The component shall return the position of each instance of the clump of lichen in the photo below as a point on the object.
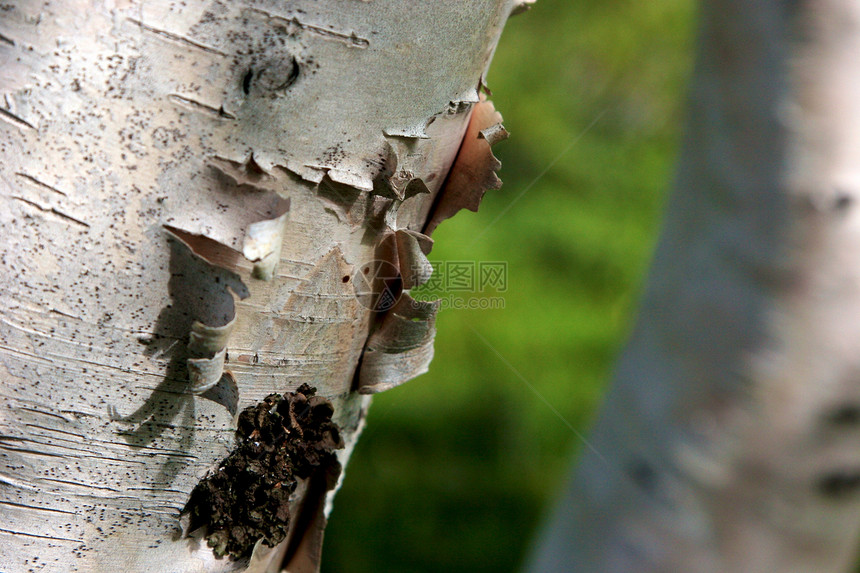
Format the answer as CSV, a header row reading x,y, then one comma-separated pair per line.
x,y
248,497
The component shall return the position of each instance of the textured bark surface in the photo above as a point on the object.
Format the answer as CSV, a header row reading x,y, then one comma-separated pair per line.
x,y
729,441
188,193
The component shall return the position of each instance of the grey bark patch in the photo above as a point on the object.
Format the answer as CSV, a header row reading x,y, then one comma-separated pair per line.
x,y
280,440
839,484
643,474
842,201
846,415
837,202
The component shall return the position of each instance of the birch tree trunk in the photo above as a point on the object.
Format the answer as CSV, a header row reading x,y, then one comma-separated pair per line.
x,y
205,203
729,440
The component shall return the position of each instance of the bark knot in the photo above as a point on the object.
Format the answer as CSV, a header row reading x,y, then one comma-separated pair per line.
x,y
280,440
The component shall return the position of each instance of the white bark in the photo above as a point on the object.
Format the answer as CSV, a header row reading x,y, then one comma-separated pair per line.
x,y
190,188
728,442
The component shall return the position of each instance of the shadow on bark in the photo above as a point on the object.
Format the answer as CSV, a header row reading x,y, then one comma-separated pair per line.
x,y
198,292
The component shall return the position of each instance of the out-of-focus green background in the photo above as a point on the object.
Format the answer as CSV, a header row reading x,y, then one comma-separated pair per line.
x,y
457,468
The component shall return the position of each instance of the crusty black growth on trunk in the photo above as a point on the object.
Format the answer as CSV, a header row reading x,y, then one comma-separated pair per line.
x,y
248,497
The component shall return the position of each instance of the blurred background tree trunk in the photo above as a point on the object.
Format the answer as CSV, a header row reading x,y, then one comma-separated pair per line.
x,y
728,441
202,204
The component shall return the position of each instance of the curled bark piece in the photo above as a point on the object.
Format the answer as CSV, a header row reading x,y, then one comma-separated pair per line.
x,y
210,250
411,165
412,247
474,169
209,339
250,218
208,346
425,243
204,373
207,296
522,6
386,371
401,348
494,133
262,246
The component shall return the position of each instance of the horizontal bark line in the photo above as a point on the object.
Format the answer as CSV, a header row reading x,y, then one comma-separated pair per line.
x,y
179,39
36,535
9,117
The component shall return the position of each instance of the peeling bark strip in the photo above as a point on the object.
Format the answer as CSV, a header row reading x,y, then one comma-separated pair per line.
x,y
412,251
249,497
186,190
208,348
401,348
474,170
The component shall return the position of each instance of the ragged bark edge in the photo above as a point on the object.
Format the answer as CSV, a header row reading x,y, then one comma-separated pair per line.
x,y
401,347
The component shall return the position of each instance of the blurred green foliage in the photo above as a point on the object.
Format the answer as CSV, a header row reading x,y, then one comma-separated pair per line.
x,y
457,468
